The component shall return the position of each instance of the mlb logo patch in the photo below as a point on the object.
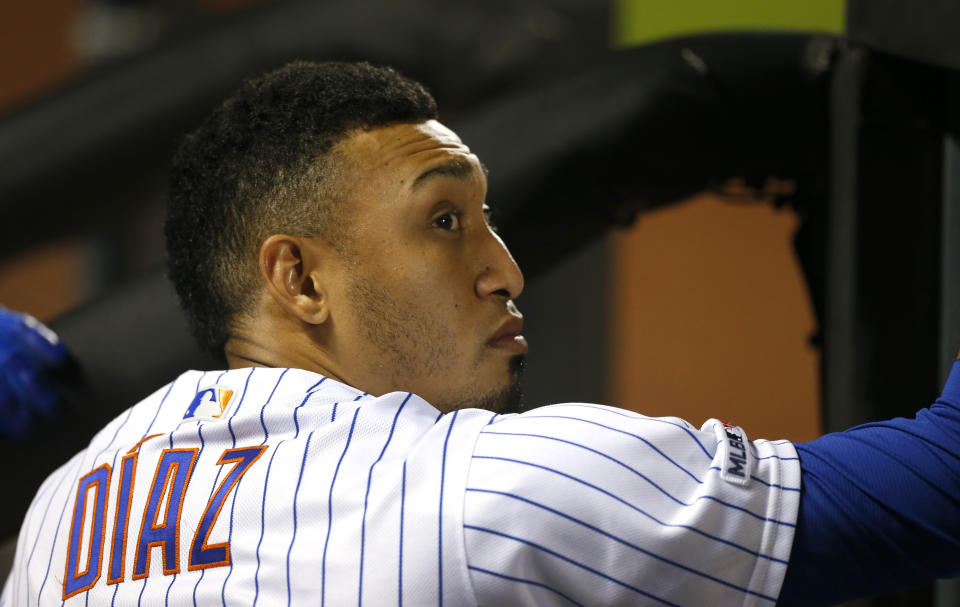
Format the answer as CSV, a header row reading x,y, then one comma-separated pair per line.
x,y
733,451
210,403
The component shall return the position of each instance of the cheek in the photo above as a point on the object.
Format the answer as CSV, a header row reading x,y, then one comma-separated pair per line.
x,y
441,277
431,278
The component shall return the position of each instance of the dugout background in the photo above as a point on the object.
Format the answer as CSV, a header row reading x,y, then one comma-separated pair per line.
x,y
696,305
712,284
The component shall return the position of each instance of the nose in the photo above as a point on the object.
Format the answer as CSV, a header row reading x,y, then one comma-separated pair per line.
x,y
500,275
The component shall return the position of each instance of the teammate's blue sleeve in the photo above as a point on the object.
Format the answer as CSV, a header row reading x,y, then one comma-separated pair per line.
x,y
880,507
29,352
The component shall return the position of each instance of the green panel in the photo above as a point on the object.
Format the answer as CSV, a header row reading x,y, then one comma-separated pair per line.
x,y
642,21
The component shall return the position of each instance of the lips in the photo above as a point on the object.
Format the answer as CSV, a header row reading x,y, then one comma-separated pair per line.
x,y
509,336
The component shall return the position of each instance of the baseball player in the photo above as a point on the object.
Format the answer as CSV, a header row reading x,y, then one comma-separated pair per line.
x,y
330,239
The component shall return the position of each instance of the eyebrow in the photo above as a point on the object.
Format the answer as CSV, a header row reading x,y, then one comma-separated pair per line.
x,y
458,169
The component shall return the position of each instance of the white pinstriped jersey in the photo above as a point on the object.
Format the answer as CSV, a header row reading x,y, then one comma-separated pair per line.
x,y
281,487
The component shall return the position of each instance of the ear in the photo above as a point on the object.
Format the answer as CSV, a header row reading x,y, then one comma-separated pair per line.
x,y
290,267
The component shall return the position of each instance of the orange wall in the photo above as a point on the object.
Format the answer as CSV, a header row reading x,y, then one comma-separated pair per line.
x,y
47,280
711,319
36,54
35,47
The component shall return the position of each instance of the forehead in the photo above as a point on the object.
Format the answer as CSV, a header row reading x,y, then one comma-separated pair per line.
x,y
404,151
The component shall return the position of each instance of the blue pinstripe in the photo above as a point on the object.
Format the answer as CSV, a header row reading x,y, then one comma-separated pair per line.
x,y
166,600
113,466
212,490
42,521
644,418
246,384
363,520
236,490
523,581
41,497
296,422
263,504
124,423
572,562
333,415
115,435
645,477
635,508
621,540
263,423
216,478
270,397
200,435
116,587
150,427
160,406
263,522
142,588
443,471
316,385
403,497
773,485
762,482
619,431
296,492
753,449
113,599
326,542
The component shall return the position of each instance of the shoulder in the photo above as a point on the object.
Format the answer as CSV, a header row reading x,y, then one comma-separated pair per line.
x,y
587,430
578,496
578,454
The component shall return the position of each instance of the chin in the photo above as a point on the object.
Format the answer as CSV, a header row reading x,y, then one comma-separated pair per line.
x,y
507,399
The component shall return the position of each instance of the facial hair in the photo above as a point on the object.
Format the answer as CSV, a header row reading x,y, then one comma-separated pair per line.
x,y
407,343
506,400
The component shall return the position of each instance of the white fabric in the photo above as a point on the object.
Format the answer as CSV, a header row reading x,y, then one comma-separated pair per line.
x,y
591,505
383,501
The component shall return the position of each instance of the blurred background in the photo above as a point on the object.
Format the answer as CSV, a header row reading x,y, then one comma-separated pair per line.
x,y
697,310
739,210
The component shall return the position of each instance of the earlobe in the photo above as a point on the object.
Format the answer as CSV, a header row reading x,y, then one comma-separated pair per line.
x,y
290,269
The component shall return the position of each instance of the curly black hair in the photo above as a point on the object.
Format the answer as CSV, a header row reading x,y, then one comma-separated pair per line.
x,y
263,163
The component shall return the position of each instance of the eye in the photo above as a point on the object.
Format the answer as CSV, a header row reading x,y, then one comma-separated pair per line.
x,y
448,221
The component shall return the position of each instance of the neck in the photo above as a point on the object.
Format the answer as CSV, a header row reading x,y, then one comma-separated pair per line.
x,y
243,352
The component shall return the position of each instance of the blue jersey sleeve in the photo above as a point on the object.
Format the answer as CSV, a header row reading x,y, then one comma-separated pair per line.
x,y
879,507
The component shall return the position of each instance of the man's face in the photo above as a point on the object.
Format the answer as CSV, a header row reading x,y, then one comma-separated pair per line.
x,y
425,298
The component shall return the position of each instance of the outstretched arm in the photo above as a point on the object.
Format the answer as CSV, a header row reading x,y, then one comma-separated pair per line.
x,y
880,507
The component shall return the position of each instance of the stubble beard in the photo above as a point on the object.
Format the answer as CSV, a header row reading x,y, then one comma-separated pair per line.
x,y
506,400
407,340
